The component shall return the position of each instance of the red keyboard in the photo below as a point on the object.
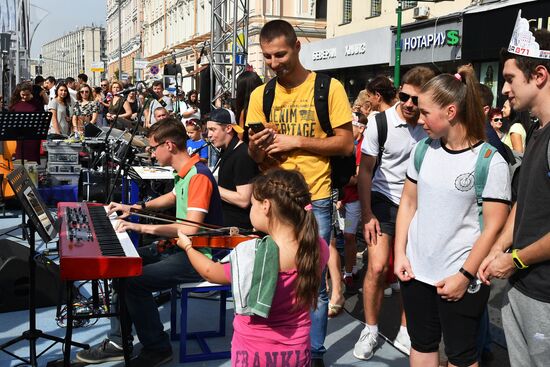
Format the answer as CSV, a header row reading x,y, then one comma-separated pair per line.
x,y
89,246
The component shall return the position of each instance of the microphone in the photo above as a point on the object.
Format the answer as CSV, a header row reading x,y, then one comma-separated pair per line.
x,y
200,148
137,88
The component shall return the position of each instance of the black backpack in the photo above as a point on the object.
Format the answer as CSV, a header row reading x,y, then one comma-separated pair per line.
x,y
342,167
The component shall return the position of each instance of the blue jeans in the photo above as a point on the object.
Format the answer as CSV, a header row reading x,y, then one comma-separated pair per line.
x,y
160,271
322,209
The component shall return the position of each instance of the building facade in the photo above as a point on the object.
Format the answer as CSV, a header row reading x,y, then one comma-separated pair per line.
x,y
75,53
177,31
131,30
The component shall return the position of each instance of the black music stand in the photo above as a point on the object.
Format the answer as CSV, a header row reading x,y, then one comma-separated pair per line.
x,y
41,221
22,126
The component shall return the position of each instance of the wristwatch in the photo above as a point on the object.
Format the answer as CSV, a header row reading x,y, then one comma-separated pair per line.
x,y
517,261
142,204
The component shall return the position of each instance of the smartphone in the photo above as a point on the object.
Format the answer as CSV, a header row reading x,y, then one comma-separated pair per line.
x,y
256,126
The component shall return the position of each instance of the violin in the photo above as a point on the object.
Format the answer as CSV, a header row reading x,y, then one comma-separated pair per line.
x,y
223,242
211,236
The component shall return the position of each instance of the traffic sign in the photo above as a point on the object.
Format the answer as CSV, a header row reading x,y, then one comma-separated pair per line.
x,y
98,66
140,64
154,70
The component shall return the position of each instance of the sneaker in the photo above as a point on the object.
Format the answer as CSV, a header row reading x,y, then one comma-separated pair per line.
x,y
152,358
388,292
106,351
403,342
364,348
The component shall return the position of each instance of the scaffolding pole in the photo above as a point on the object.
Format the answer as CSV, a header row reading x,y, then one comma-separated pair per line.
x,y
228,45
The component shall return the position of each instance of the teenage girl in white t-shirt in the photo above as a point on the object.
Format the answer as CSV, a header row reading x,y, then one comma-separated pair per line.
x,y
439,241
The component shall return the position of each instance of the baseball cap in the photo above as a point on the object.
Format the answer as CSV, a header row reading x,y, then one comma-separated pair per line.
x,y
225,116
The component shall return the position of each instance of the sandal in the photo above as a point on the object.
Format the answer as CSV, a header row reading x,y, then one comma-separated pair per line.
x,y
334,310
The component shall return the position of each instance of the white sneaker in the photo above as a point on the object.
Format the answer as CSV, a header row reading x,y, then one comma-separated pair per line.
x,y
388,292
403,342
364,348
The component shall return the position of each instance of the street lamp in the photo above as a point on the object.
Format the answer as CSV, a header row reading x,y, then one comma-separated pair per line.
x,y
397,67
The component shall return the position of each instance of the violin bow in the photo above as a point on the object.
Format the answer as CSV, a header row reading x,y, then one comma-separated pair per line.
x,y
209,229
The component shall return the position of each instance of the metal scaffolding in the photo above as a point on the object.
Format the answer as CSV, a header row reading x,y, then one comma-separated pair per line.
x,y
228,45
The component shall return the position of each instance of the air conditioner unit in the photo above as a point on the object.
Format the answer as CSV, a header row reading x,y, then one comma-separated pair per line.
x,y
421,12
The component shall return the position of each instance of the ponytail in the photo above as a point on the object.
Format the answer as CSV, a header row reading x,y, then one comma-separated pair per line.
x,y
460,89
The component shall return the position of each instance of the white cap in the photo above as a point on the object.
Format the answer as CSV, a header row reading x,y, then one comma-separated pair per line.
x,y
523,42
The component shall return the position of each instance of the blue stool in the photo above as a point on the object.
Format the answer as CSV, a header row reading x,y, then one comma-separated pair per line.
x,y
199,336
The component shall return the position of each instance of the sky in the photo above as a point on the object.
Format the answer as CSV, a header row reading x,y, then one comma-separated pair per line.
x,y
63,16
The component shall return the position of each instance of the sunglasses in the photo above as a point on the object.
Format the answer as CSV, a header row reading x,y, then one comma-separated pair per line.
x,y
497,119
192,122
104,85
404,97
85,91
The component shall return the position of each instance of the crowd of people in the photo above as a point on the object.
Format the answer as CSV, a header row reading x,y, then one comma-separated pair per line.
x,y
432,193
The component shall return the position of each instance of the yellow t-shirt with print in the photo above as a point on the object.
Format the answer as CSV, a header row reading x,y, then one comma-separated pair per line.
x,y
293,112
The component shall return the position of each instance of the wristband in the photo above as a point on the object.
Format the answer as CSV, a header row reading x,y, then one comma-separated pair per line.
x,y
142,204
467,274
517,261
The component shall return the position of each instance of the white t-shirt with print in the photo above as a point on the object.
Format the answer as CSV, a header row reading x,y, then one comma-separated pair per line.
x,y
389,178
446,223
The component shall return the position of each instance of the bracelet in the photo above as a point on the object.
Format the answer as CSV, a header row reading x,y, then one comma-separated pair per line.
x,y
517,261
467,274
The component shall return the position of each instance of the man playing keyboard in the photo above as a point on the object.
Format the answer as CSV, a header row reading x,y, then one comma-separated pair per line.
x,y
196,197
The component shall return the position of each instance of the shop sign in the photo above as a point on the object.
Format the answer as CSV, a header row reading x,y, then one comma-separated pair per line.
x,y
326,54
370,47
356,49
431,43
450,37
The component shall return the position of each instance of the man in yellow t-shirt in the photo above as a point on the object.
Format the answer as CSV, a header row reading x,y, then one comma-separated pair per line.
x,y
299,138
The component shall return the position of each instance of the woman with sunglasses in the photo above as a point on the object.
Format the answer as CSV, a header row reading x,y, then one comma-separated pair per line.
x,y
60,107
442,235
85,109
495,118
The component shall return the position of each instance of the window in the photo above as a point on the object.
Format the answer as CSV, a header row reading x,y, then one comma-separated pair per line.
x,y
409,4
346,18
375,8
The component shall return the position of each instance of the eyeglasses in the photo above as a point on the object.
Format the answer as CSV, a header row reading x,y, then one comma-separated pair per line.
x,y
404,97
153,148
497,119
85,91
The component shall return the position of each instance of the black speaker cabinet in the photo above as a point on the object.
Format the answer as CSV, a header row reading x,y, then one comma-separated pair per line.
x,y
14,279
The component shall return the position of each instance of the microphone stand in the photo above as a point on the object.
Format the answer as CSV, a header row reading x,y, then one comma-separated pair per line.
x,y
123,161
107,156
106,171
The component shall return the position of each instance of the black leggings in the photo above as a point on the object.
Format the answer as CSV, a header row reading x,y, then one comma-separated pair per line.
x,y
428,316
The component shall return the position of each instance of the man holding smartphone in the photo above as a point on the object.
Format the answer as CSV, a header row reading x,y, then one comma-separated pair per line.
x,y
300,142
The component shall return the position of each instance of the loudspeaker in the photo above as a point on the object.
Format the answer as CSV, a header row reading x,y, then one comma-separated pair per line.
x,y
172,69
14,279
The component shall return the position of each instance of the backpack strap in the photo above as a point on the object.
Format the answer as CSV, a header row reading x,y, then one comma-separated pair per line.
x,y
269,96
481,173
382,128
548,158
320,99
420,152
